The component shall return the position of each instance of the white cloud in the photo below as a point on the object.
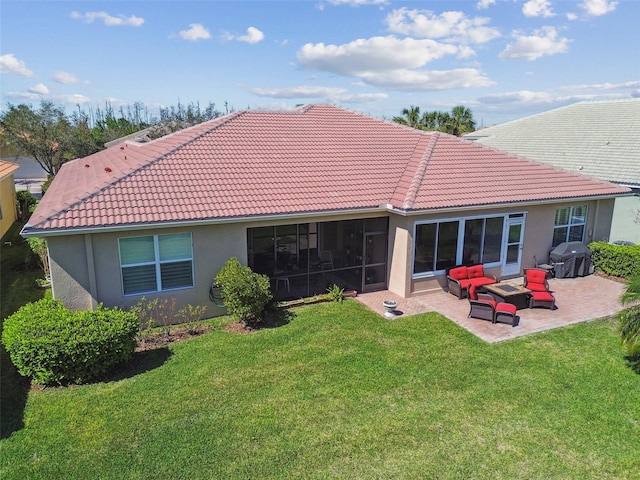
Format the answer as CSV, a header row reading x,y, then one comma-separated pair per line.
x,y
66,78
352,3
389,62
596,8
332,94
537,8
425,81
376,54
40,89
109,20
195,32
572,16
521,97
543,42
605,86
449,26
253,36
483,4
10,64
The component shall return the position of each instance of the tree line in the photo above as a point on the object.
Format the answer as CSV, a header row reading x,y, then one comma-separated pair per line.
x,y
52,136
458,122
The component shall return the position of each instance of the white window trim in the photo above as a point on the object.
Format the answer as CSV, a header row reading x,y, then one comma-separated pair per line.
x,y
460,244
157,262
569,224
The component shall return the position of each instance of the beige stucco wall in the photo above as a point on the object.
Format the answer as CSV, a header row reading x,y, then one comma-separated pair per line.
x,y
80,281
626,220
8,203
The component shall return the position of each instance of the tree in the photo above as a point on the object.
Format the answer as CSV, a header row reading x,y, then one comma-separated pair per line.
x,y
411,117
45,134
460,121
629,318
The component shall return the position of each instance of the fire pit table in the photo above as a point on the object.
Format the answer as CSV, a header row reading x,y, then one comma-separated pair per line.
x,y
508,292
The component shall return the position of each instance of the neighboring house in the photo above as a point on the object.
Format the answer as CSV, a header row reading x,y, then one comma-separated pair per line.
x,y
309,197
7,196
596,138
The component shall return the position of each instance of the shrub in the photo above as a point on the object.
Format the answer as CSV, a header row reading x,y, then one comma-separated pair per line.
x,y
39,247
26,202
246,294
617,260
54,345
336,293
191,317
159,312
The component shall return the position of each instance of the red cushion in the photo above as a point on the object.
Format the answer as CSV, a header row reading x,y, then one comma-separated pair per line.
x,y
475,271
536,276
506,308
464,283
459,273
537,287
542,296
473,295
479,281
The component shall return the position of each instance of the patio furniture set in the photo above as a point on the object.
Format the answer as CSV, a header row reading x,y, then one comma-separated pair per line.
x,y
498,301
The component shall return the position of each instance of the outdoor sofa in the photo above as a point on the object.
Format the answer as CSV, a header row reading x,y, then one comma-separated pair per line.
x,y
461,277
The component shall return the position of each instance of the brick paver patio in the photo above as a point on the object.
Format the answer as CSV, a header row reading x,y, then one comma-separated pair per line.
x,y
580,299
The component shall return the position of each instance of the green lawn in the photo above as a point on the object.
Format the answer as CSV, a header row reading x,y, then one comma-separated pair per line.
x,y
340,392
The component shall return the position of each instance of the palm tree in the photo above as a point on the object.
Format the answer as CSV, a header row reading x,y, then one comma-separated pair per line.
x,y
460,121
629,318
411,117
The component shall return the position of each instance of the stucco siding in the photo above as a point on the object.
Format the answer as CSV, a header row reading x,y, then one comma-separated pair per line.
x,y
7,203
69,271
626,219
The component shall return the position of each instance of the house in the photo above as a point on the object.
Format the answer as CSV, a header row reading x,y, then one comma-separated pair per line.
x,y
310,197
596,138
8,213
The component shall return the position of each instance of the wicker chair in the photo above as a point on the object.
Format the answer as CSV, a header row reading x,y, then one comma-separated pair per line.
x,y
482,305
535,279
485,307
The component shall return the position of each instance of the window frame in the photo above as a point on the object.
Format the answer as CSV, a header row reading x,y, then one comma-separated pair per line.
x,y
569,224
157,263
460,240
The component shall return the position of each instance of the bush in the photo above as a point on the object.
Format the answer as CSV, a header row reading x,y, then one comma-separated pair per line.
x,y
26,203
617,260
54,345
246,294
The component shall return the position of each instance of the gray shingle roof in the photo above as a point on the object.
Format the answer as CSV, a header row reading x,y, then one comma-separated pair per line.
x,y
596,138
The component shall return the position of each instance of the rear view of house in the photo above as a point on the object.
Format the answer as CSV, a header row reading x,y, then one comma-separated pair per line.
x,y
310,197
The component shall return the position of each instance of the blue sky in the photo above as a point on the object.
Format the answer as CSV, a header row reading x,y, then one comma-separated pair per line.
x,y
504,59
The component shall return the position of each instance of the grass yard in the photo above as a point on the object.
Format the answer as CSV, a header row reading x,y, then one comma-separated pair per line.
x,y
340,392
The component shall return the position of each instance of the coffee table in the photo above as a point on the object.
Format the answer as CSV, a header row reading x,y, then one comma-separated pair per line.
x,y
508,292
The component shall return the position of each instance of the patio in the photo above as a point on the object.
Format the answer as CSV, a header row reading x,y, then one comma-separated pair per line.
x,y
578,300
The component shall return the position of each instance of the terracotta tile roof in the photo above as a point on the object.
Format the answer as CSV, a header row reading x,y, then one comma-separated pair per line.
x,y
318,158
7,168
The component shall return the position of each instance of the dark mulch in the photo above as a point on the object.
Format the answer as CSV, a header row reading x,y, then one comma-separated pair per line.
x,y
176,334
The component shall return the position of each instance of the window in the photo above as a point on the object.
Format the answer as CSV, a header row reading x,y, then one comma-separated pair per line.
x,y
441,245
156,262
569,224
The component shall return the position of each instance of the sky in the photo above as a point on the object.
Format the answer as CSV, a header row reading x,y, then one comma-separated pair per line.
x,y
503,59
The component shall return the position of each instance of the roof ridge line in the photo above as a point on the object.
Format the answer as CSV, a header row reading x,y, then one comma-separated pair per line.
x,y
418,176
231,116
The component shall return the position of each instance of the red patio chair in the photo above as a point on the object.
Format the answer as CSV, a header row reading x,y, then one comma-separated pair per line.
x,y
535,279
485,307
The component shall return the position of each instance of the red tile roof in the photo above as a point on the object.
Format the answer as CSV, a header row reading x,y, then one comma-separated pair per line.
x,y
7,168
317,158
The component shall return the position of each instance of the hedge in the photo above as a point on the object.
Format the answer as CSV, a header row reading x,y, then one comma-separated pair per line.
x,y
54,345
617,260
